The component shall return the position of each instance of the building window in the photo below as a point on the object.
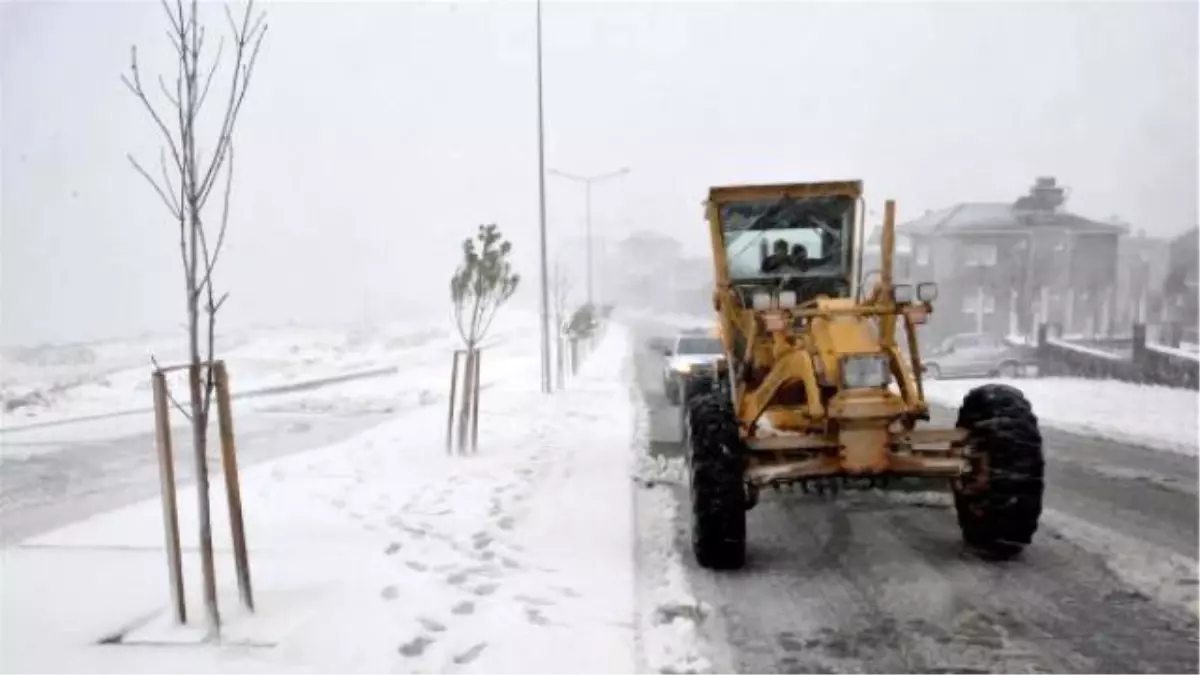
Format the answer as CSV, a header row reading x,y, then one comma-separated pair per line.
x,y
922,255
980,255
972,301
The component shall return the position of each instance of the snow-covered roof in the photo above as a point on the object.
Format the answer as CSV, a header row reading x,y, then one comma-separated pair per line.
x,y
993,216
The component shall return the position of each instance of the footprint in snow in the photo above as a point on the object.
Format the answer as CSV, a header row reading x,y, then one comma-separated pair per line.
x,y
415,647
389,593
392,548
432,625
464,607
481,540
485,589
506,523
535,617
338,504
416,566
471,654
530,600
569,592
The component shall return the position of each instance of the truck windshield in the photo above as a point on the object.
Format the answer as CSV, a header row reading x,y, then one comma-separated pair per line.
x,y
788,238
699,345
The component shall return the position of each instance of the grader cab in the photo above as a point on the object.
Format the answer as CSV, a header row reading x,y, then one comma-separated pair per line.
x,y
816,388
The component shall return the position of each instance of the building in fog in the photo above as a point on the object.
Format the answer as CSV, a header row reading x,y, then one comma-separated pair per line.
x,y
649,271
1002,268
1181,290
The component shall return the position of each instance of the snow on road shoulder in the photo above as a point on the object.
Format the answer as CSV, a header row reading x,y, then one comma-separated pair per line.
x,y
381,553
1163,418
672,623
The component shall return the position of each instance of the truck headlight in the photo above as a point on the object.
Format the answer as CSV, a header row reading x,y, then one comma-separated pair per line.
x,y
760,301
859,372
682,367
902,294
927,292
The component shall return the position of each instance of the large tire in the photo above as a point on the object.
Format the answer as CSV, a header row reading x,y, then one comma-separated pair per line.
x,y
1000,501
717,465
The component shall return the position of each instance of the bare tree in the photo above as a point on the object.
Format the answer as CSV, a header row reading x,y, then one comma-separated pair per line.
x,y
483,282
187,181
561,289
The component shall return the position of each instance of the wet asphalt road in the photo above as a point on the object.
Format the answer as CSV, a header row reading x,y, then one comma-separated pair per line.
x,y
867,582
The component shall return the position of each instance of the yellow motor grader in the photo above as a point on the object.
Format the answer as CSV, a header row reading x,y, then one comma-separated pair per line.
x,y
815,387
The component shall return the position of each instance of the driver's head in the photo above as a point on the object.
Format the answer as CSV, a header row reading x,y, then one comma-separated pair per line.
x,y
780,247
799,252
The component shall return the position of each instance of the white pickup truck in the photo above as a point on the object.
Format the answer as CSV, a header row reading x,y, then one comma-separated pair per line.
x,y
691,353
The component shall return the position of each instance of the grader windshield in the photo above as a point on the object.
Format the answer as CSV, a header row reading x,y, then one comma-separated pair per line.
x,y
776,240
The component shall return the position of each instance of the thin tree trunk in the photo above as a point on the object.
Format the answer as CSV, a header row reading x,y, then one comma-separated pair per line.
x,y
200,447
464,411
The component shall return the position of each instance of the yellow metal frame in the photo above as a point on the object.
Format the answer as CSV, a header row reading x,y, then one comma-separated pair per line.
x,y
853,431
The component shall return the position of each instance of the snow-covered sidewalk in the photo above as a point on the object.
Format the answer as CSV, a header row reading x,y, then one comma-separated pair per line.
x,y
1162,418
380,554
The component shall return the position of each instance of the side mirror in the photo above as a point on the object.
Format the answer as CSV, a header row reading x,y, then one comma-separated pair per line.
x,y
667,351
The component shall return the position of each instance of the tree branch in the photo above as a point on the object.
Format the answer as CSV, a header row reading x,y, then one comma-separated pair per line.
x,y
135,86
154,184
210,261
243,68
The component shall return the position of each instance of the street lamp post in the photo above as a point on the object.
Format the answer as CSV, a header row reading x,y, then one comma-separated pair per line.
x,y
546,388
587,196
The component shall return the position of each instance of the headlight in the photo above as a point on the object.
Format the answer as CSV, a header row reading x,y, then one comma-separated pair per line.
x,y
787,299
761,301
927,292
902,294
682,367
860,372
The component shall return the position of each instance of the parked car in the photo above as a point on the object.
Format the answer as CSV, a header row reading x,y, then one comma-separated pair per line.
x,y
690,354
979,355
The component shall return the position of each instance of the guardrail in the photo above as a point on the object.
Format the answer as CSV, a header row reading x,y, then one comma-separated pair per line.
x,y
1131,360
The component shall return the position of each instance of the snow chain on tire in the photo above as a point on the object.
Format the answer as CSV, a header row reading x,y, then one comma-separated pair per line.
x,y
717,466
1000,501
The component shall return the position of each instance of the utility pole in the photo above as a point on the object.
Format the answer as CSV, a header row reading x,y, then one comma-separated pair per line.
x,y
546,386
587,196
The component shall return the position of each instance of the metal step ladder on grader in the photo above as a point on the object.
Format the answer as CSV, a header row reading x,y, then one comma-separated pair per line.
x,y
816,389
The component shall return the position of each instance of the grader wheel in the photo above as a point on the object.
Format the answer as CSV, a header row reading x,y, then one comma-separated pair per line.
x,y
1000,501
716,462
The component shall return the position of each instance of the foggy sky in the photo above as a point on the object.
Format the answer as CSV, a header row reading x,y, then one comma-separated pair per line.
x,y
377,135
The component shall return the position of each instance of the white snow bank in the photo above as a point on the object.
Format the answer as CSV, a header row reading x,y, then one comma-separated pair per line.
x,y
670,618
379,554
118,379
1163,418
1083,349
671,621
1174,351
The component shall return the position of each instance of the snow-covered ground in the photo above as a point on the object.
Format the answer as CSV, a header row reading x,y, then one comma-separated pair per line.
x,y
116,377
1163,418
383,553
